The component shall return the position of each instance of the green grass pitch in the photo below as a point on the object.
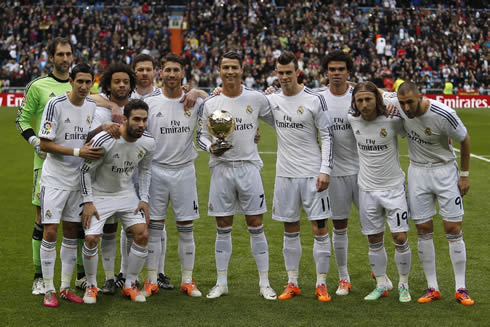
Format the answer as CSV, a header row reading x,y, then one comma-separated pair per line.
x,y
243,306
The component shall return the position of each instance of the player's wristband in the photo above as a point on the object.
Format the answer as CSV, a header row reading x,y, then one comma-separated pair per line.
x,y
464,173
76,152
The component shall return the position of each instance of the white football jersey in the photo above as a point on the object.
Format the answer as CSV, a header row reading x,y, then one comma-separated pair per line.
x,y
67,125
112,174
136,95
346,160
377,145
429,136
173,129
298,120
246,108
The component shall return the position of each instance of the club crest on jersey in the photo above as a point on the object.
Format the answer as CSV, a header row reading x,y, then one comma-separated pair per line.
x,y
89,120
200,122
48,213
300,110
187,113
141,154
428,132
67,120
383,132
249,109
47,126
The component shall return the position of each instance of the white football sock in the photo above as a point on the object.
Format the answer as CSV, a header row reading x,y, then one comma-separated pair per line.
x,y
187,251
90,261
123,248
136,259
108,253
223,249
427,256
340,242
48,258
161,262
291,252
403,261
321,254
155,230
378,261
260,251
457,252
68,256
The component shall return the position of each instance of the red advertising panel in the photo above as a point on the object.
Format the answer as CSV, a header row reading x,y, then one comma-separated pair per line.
x,y
462,101
11,99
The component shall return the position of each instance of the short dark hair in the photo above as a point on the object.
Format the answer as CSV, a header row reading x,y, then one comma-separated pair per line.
x,y
172,57
134,104
142,57
231,55
288,57
338,55
54,43
368,87
105,81
407,87
81,68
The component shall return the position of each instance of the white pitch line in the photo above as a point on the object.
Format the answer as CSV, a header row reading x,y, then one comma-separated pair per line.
x,y
475,156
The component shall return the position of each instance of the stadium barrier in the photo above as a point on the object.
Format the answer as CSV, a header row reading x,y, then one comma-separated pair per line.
x,y
453,101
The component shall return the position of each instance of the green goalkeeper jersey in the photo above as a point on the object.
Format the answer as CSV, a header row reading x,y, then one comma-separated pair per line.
x,y
36,94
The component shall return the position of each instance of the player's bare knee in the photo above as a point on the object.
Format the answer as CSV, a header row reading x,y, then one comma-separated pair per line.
x,y
292,227
91,241
399,238
141,236
452,228
340,224
184,223
319,227
254,221
375,238
223,222
425,228
50,232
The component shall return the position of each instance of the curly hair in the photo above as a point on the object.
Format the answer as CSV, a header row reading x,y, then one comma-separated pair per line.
x,y
105,81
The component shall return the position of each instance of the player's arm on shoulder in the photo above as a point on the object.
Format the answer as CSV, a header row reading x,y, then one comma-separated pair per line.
x,y
100,101
26,111
203,139
111,128
190,98
464,176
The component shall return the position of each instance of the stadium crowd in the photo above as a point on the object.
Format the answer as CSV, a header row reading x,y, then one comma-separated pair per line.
x,y
388,39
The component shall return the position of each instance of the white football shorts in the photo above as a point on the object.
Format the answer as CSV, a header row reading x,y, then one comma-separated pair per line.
x,y
236,185
377,206
177,185
57,205
117,207
343,191
290,194
428,183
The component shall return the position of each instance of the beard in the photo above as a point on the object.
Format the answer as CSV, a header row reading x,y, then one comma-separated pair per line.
x,y
134,133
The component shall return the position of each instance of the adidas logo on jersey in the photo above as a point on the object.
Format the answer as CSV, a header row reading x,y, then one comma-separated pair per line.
x,y
67,120
357,132
52,95
116,156
159,114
